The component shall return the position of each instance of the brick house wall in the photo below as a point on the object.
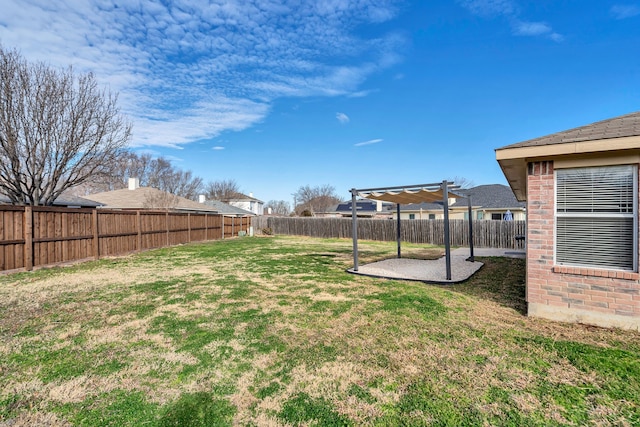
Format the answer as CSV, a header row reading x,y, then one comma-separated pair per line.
x,y
608,298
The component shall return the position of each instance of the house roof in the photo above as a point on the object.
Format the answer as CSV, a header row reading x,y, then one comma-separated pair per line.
x,y
606,138
226,209
617,127
490,196
66,200
146,198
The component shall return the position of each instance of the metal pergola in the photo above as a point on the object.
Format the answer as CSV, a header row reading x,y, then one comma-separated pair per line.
x,y
413,194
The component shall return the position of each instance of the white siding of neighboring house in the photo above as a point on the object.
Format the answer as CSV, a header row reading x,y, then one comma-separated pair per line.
x,y
255,206
457,214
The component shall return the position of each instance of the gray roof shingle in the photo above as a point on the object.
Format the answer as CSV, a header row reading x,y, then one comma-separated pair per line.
x,y
617,127
226,209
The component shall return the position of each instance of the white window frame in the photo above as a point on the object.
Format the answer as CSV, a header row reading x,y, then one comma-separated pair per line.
x,y
598,215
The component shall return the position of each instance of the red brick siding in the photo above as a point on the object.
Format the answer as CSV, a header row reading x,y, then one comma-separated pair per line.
x,y
608,292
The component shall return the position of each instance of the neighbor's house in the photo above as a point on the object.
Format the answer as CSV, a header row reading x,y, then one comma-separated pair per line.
x,y
225,209
365,208
489,202
581,190
136,197
248,203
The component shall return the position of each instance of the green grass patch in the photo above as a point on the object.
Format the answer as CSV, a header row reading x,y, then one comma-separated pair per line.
x,y
197,410
302,408
117,408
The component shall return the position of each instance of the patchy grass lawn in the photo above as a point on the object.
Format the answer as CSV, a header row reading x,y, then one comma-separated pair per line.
x,y
273,331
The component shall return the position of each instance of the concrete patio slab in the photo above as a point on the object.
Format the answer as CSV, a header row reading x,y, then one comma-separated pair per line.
x,y
433,271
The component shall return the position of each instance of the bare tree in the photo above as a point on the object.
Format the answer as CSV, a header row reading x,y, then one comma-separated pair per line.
x,y
279,207
184,184
461,181
57,130
158,173
315,199
223,190
160,200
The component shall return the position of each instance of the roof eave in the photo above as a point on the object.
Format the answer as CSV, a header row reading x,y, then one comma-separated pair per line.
x,y
513,160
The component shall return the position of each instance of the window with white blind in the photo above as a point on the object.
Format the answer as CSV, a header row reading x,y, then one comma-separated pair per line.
x,y
596,211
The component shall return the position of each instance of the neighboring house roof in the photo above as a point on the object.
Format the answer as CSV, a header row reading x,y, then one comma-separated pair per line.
x,y
146,198
490,196
66,201
598,139
226,209
363,206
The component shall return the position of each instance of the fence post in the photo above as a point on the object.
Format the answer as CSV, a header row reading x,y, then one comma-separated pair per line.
x,y
166,218
189,227
96,236
28,238
139,239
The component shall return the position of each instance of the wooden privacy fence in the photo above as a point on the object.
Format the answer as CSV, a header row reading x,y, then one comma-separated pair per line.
x,y
486,233
40,236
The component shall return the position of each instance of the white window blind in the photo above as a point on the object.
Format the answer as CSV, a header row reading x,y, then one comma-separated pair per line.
x,y
596,217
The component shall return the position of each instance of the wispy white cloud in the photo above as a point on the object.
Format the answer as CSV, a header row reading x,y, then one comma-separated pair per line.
x,y
217,148
188,70
531,28
624,11
489,7
509,10
372,141
342,118
536,29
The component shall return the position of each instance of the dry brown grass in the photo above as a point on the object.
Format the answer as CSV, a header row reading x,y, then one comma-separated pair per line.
x,y
261,330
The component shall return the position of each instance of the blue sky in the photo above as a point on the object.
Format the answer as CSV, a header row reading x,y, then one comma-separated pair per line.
x,y
361,93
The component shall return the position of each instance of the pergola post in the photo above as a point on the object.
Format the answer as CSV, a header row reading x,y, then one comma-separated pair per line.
x,y
354,228
470,229
398,233
447,243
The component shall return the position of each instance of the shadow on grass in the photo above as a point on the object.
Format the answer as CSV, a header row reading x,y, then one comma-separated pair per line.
x,y
501,280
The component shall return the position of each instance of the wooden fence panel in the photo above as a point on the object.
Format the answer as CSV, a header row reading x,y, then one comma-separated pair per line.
x,y
60,235
178,226
198,227
154,229
12,243
228,227
486,233
214,227
118,232
39,236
